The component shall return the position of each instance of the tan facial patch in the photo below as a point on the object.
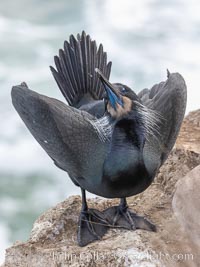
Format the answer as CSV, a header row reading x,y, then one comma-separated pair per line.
x,y
120,111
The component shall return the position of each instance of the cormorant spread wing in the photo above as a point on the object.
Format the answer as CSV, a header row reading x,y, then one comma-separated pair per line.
x,y
169,100
64,132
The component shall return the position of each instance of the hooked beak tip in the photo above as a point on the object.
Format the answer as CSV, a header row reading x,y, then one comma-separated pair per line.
x,y
106,83
101,76
112,94
97,70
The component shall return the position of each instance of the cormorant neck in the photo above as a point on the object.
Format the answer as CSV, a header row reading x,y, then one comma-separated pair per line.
x,y
133,130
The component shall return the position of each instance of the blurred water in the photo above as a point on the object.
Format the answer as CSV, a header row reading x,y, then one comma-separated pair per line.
x,y
142,38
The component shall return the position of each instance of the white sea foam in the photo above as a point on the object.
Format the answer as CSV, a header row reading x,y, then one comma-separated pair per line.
x,y
24,29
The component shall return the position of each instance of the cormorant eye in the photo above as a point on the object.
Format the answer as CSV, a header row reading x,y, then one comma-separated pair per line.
x,y
123,90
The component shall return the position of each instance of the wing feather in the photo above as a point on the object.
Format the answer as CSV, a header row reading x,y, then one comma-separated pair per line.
x,y
169,100
64,132
75,69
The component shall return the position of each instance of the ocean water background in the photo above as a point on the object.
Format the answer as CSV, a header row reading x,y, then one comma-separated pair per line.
x,y
143,38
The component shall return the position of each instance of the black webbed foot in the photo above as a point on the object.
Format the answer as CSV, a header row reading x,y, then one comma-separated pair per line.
x,y
121,216
92,226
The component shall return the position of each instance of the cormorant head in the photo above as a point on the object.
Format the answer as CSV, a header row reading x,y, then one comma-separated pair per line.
x,y
119,98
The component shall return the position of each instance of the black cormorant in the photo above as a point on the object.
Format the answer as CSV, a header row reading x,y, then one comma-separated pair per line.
x,y
110,140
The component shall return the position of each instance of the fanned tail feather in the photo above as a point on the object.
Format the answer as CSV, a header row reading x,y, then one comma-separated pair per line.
x,y
75,68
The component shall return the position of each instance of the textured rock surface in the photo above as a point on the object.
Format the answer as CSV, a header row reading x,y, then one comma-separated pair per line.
x,y
178,164
52,241
186,204
59,248
189,137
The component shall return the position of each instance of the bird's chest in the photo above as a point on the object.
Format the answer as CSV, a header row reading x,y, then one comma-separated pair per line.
x,y
128,182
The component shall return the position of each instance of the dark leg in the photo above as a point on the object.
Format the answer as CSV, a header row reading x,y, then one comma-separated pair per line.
x,y
92,224
121,216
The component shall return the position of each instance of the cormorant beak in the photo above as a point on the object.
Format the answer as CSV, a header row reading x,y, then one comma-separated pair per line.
x,y
113,97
